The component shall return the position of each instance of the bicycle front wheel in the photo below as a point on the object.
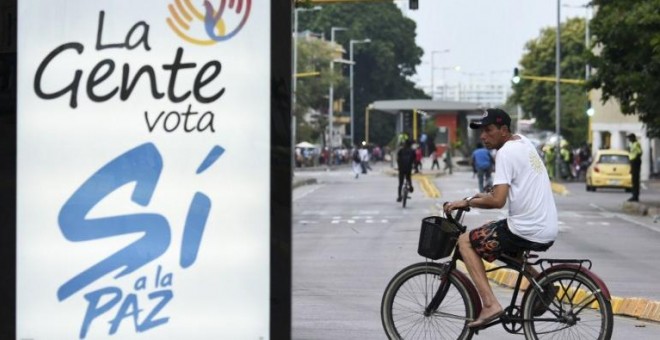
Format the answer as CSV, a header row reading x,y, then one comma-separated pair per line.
x,y
575,309
411,290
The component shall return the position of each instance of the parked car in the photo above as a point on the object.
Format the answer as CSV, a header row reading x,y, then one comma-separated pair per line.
x,y
609,169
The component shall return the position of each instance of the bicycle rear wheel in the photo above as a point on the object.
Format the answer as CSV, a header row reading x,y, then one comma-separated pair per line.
x,y
404,194
578,310
408,294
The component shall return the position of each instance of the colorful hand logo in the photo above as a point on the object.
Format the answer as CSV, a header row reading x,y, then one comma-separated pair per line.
x,y
230,14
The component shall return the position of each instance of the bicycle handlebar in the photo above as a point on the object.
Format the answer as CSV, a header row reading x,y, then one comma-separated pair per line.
x,y
459,213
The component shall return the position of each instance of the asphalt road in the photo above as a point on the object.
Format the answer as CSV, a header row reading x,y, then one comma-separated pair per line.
x,y
350,237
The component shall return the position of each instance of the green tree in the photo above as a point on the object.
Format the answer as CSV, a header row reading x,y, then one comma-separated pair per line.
x,y
383,67
537,98
314,55
627,61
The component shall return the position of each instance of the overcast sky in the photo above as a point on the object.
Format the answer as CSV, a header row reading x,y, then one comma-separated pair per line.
x,y
486,38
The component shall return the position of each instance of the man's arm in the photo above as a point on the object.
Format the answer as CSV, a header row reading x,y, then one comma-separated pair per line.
x,y
495,199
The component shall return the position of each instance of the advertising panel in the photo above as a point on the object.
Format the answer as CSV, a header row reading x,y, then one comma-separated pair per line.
x,y
143,171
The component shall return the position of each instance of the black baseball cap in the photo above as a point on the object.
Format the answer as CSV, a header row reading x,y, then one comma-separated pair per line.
x,y
492,116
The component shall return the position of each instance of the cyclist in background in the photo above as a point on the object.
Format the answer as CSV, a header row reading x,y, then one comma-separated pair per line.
x,y
405,158
520,178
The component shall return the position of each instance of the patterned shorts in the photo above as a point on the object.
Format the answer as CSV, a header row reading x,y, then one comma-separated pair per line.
x,y
494,238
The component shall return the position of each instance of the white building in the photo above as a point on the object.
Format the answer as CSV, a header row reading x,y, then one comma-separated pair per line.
x,y
487,94
609,128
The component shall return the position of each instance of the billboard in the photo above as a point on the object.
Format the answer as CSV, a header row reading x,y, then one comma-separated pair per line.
x,y
143,173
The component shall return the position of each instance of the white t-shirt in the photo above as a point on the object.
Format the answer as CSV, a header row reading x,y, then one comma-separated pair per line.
x,y
364,154
532,210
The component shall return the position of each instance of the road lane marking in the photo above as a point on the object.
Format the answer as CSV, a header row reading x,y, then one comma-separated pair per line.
x,y
626,218
304,190
427,186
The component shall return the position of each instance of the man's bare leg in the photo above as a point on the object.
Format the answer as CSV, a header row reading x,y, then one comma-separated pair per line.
x,y
477,272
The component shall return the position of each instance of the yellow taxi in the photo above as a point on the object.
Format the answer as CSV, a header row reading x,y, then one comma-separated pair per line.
x,y
609,169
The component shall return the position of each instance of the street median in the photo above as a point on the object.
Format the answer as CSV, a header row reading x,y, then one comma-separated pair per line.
x,y
637,307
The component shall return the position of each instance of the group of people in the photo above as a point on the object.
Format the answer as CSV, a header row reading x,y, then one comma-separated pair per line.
x,y
573,163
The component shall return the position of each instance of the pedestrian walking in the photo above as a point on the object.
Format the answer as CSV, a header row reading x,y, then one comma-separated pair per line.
x,y
635,155
418,158
482,165
356,162
434,157
584,160
364,159
447,161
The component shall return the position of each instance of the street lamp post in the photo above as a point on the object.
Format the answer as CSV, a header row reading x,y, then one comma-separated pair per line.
x,y
587,70
295,54
353,42
294,78
587,67
557,91
331,95
444,78
433,53
366,121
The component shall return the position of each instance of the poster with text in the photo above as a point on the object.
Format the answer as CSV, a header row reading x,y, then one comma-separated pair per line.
x,y
143,187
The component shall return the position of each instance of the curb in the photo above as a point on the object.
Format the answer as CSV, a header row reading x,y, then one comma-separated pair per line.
x,y
559,188
301,182
638,208
641,308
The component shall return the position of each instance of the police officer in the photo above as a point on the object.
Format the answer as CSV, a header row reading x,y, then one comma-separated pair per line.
x,y
635,155
549,158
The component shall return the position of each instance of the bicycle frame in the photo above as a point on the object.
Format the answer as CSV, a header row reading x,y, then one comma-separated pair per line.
x,y
519,265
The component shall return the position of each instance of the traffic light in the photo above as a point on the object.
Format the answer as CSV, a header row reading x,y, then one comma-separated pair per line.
x,y
590,110
516,76
413,4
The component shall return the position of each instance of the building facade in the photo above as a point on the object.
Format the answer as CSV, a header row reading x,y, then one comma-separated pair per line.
x,y
609,128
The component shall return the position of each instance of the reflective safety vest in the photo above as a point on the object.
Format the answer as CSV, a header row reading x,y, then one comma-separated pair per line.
x,y
635,151
565,155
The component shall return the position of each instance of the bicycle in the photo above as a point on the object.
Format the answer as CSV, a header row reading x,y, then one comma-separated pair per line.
x,y
405,189
436,301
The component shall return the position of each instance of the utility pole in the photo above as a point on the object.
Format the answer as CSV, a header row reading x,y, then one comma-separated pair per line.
x,y
433,53
331,95
353,42
558,92
294,79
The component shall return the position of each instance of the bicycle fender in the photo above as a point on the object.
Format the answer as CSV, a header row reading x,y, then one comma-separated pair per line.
x,y
472,291
588,273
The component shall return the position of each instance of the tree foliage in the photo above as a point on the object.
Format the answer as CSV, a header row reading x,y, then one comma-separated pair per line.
x,y
627,58
537,98
314,55
383,67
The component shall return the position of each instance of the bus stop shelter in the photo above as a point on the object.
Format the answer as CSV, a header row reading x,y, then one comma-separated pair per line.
x,y
451,118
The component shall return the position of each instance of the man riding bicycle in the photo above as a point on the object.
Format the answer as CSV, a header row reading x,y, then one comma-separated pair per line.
x,y
405,158
521,179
